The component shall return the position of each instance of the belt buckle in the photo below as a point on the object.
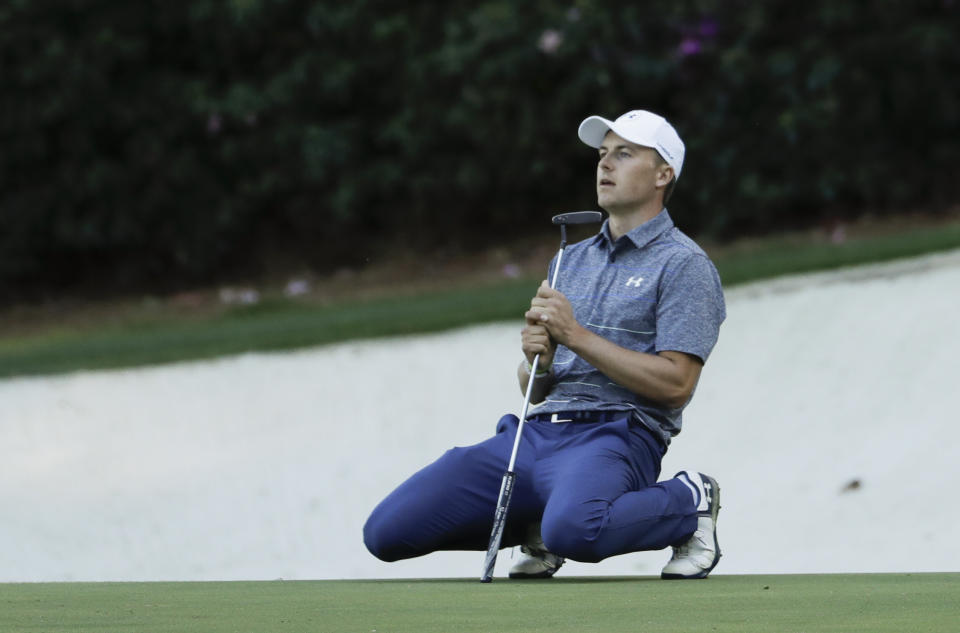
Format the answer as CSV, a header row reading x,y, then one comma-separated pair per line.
x,y
555,420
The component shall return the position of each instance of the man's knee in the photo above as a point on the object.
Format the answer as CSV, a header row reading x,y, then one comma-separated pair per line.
x,y
380,538
573,535
404,524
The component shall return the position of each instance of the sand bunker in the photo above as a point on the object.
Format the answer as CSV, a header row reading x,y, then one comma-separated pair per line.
x,y
827,414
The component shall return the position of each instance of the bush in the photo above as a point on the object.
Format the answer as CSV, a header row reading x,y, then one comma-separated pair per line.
x,y
163,144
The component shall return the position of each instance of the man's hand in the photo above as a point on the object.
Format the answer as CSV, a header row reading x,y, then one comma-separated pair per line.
x,y
550,321
536,340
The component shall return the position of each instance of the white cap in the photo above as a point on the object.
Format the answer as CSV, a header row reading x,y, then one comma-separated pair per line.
x,y
639,127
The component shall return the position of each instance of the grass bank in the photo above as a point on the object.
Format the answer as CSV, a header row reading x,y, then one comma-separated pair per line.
x,y
871,603
160,334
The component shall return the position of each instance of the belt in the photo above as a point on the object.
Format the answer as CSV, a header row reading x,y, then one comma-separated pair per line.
x,y
580,416
587,417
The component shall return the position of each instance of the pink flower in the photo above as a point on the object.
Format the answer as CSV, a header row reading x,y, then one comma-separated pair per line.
x,y
550,41
689,46
214,123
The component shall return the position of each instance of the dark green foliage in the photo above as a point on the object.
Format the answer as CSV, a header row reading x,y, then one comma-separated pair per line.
x,y
166,143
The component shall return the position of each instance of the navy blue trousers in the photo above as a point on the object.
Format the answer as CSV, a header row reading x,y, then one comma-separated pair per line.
x,y
592,485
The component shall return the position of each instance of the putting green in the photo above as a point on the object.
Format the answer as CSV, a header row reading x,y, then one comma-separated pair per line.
x,y
867,602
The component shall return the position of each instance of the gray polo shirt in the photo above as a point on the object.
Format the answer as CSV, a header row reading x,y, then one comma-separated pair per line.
x,y
652,290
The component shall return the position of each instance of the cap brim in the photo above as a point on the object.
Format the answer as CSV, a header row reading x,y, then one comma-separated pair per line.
x,y
593,129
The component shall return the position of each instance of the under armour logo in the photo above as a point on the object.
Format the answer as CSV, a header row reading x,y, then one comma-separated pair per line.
x,y
708,491
634,282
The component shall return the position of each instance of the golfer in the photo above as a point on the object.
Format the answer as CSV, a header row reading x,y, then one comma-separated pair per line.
x,y
622,340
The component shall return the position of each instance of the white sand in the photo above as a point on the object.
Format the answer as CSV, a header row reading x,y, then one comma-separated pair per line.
x,y
265,466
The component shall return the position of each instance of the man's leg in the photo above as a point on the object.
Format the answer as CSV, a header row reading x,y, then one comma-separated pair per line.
x,y
605,499
449,505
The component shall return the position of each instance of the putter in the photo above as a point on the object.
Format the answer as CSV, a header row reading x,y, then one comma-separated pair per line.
x,y
506,486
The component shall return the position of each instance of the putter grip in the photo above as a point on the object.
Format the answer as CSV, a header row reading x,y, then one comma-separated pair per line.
x,y
578,217
499,521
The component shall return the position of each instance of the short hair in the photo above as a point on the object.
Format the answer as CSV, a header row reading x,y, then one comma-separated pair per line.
x,y
668,191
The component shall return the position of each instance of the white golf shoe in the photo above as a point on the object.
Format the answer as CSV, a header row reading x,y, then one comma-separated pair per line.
x,y
536,561
700,554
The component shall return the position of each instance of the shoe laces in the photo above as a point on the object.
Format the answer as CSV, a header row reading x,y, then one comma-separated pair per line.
x,y
543,555
536,552
535,546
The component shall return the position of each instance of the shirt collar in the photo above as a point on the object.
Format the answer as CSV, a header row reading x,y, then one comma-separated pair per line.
x,y
643,234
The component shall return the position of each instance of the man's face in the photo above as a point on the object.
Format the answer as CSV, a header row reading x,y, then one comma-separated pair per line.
x,y
628,175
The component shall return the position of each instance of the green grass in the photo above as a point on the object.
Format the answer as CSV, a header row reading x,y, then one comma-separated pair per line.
x,y
872,603
776,257
282,324
275,325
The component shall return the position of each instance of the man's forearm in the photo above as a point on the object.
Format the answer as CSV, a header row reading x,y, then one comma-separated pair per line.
x,y
667,378
541,384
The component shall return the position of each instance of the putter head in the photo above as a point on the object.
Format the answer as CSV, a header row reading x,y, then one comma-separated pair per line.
x,y
578,217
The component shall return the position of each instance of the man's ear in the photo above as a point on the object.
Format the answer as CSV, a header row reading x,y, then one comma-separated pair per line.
x,y
664,175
